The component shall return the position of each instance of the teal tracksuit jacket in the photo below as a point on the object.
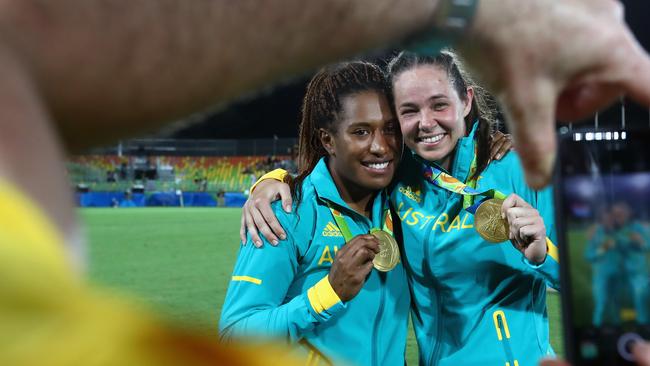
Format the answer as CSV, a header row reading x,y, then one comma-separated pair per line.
x,y
283,291
634,267
474,302
605,270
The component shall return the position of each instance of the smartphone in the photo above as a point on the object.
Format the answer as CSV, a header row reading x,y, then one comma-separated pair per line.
x,y
602,192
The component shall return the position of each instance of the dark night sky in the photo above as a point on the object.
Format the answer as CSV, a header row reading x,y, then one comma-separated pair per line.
x,y
277,112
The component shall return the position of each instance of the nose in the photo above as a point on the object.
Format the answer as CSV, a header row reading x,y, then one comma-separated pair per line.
x,y
427,120
379,145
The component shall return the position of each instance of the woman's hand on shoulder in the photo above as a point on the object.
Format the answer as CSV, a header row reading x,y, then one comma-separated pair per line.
x,y
500,145
258,217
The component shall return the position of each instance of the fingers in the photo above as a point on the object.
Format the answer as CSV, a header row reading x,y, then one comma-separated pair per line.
x,y
242,226
262,227
523,220
550,362
285,196
512,201
258,216
637,84
530,107
584,100
252,230
527,231
273,230
352,264
360,250
365,243
641,351
500,146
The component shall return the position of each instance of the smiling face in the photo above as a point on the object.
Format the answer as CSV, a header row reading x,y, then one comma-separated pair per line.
x,y
620,214
431,112
364,148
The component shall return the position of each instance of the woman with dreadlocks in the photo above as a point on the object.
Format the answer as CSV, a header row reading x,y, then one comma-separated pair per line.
x,y
318,287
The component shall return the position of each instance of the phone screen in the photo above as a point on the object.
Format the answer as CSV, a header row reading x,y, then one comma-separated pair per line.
x,y
604,202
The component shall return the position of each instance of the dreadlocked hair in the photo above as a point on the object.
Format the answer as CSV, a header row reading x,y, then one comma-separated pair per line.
x,y
483,104
322,108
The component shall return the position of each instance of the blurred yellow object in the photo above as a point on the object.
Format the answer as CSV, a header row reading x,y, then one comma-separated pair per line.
x,y
49,316
628,315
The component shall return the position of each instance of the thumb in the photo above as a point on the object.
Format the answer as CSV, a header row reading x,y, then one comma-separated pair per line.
x,y
641,351
530,111
551,362
637,82
285,196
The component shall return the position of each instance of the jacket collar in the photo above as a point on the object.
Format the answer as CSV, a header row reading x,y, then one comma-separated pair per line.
x,y
327,191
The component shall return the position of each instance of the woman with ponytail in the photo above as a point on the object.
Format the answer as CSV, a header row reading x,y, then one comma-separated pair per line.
x,y
317,288
479,300
476,300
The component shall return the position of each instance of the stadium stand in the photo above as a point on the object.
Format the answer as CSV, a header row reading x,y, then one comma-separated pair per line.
x,y
127,181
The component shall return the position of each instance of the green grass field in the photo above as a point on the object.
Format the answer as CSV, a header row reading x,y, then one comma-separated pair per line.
x,y
180,260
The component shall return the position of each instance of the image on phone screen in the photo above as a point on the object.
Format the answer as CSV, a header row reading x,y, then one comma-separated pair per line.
x,y
604,217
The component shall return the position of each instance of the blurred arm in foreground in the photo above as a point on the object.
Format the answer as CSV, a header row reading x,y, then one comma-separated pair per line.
x,y
97,71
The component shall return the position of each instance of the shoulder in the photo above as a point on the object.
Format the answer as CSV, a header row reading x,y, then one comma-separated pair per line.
x,y
509,162
303,215
507,176
508,171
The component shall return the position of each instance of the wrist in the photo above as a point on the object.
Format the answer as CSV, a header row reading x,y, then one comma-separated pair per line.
x,y
449,20
454,17
322,297
538,255
336,288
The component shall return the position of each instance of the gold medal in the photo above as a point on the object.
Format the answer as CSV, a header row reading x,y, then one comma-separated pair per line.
x,y
388,255
488,221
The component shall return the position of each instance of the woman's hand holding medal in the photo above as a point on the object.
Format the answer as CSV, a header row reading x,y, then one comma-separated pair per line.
x,y
352,264
527,230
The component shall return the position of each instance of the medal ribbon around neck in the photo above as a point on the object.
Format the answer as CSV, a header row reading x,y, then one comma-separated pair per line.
x,y
469,192
345,229
388,257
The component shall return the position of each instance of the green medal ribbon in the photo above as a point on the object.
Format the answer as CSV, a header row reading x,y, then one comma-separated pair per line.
x,y
448,182
468,190
388,256
345,229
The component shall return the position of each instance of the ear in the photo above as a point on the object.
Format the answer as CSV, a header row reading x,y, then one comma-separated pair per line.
x,y
468,101
326,140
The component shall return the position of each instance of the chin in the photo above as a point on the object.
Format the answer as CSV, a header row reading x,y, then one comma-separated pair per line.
x,y
430,155
376,184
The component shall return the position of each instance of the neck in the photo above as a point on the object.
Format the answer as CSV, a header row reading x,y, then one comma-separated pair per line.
x,y
358,198
447,162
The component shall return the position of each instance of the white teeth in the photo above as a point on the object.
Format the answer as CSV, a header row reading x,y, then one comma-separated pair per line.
x,y
432,139
378,165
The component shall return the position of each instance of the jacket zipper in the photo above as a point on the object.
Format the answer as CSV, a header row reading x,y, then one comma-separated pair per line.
x,y
380,311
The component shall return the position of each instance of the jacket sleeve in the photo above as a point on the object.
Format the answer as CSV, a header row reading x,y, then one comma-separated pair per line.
x,y
256,303
645,236
277,174
592,250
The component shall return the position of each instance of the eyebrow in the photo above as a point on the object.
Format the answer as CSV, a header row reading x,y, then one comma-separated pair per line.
x,y
359,124
433,97
369,124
